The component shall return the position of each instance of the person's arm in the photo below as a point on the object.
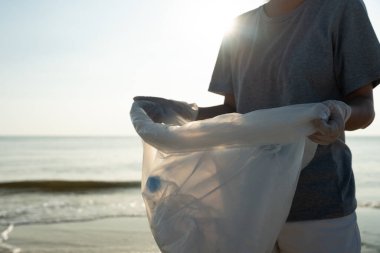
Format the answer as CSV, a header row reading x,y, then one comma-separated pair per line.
x,y
362,114
209,112
362,109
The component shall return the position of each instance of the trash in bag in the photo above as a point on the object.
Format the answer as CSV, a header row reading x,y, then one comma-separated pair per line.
x,y
224,184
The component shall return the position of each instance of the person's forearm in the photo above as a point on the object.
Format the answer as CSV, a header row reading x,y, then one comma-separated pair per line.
x,y
362,113
213,111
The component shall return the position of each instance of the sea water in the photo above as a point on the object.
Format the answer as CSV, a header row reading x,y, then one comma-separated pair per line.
x,y
366,166
56,179
59,179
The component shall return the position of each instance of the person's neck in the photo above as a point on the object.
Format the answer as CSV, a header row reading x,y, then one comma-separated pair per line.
x,y
276,8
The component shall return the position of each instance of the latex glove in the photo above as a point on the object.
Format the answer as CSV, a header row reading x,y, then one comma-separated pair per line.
x,y
168,111
328,130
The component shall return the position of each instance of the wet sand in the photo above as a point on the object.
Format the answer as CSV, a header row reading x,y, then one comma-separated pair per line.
x,y
131,235
105,235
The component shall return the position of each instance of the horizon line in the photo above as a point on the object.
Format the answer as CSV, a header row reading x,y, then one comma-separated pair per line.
x,y
68,135
117,135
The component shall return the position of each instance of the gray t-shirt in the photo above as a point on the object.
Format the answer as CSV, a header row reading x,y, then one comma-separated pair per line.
x,y
323,49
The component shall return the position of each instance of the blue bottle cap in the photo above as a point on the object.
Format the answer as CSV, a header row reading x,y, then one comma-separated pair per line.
x,y
153,183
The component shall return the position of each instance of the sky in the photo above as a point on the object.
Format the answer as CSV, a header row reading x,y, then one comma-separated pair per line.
x,y
72,67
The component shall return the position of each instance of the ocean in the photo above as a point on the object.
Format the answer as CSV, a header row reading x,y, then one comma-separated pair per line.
x,y
60,179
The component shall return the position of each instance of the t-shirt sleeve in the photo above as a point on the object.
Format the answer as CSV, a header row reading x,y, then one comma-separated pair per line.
x,y
357,49
221,79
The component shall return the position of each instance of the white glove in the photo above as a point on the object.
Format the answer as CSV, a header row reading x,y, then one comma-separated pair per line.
x,y
168,111
328,130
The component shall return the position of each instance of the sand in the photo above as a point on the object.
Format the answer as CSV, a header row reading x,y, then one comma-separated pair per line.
x,y
132,235
105,235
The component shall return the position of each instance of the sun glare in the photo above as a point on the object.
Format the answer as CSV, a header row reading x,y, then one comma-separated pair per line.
x,y
222,22
209,18
230,26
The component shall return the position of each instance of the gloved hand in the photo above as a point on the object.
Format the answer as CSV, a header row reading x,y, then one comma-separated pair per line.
x,y
328,130
169,111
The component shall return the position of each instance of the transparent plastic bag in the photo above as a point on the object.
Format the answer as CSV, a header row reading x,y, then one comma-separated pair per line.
x,y
224,184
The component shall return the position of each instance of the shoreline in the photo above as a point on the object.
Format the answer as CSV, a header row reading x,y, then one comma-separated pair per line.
x,y
130,235
126,234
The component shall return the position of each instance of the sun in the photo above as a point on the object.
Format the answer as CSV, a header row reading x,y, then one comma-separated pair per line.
x,y
211,19
229,26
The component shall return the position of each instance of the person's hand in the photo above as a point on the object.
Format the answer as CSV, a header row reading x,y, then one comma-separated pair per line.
x,y
159,108
329,130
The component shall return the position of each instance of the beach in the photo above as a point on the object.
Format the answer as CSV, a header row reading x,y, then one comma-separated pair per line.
x,y
131,235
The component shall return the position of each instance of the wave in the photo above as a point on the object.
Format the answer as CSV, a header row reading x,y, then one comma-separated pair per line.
x,y
369,204
4,247
369,246
66,185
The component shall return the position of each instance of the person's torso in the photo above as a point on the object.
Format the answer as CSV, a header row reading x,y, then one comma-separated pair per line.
x,y
284,60
289,60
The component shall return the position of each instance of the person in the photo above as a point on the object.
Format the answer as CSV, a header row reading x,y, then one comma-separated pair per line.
x,y
303,51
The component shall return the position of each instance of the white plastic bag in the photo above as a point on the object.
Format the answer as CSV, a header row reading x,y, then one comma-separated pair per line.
x,y
223,184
